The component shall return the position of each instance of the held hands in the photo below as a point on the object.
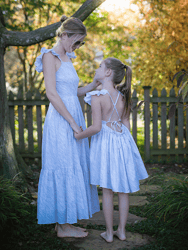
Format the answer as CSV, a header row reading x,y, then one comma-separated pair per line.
x,y
76,129
76,135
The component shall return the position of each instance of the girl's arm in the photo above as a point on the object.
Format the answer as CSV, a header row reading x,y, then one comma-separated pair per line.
x,y
50,84
96,117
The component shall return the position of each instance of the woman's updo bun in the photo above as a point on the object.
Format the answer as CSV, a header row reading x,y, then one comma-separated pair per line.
x,y
71,25
63,18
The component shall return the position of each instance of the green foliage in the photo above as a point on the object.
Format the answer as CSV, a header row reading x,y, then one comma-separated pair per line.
x,y
171,206
12,204
31,236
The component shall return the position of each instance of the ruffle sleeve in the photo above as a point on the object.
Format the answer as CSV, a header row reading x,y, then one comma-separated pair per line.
x,y
71,55
88,96
38,62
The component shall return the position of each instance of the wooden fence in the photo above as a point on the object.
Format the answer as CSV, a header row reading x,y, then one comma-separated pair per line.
x,y
27,118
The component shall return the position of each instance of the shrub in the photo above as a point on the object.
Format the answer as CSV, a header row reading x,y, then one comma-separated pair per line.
x,y
171,205
13,205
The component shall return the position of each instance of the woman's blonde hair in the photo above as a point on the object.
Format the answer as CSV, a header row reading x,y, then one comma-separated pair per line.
x,y
71,25
120,70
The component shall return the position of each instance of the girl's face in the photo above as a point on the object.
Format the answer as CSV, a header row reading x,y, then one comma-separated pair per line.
x,y
100,73
73,42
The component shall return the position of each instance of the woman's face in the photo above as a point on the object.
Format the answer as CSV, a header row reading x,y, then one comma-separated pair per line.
x,y
73,42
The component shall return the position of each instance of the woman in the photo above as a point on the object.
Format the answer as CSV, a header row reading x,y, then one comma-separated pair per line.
x,y
64,193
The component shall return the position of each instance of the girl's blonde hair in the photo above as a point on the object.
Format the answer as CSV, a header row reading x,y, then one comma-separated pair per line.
x,y
71,25
120,70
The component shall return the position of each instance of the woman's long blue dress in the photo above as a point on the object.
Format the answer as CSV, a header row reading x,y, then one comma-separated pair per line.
x,y
64,191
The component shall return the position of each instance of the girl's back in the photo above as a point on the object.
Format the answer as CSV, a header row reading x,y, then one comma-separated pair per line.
x,y
108,106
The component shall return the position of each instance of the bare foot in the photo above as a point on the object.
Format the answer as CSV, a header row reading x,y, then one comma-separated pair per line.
x,y
108,238
120,235
66,230
81,229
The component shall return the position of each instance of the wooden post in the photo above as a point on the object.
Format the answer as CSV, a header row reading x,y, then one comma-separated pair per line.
x,y
186,126
82,104
46,106
180,130
147,122
11,116
163,123
172,128
155,124
134,115
39,122
30,124
21,122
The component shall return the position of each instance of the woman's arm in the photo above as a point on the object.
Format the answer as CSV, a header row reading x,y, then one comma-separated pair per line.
x,y
50,84
83,90
96,117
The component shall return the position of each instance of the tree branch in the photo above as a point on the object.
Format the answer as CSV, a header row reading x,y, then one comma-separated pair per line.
x,y
15,38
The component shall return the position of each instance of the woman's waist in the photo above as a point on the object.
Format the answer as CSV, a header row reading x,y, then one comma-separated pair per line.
x,y
67,95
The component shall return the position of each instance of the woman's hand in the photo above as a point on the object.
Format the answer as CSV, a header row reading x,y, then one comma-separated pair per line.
x,y
75,127
96,83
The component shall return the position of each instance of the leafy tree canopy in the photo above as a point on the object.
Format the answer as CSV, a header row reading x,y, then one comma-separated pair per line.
x,y
162,41
107,31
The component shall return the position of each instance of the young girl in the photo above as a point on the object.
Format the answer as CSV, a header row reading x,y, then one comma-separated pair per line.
x,y
115,162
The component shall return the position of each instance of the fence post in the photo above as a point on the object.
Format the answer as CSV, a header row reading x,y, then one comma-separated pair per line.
x,y
172,128
186,126
134,115
30,123
39,121
21,122
180,130
163,124
147,122
46,106
11,115
82,104
155,124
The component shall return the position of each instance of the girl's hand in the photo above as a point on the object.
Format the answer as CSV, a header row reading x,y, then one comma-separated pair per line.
x,y
75,127
76,134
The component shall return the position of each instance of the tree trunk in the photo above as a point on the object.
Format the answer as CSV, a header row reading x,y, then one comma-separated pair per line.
x,y
8,163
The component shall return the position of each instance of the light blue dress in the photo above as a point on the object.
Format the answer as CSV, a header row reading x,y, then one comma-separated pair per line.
x,y
115,162
64,191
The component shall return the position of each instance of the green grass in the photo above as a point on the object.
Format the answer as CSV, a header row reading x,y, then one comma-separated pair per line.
x,y
140,140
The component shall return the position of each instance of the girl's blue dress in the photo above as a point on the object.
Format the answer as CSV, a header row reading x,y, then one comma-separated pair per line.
x,y
64,192
115,162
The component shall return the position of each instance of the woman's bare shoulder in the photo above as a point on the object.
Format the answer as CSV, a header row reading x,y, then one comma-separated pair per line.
x,y
48,56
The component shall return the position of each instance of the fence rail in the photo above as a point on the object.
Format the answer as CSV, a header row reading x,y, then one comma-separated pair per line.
x,y
169,137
